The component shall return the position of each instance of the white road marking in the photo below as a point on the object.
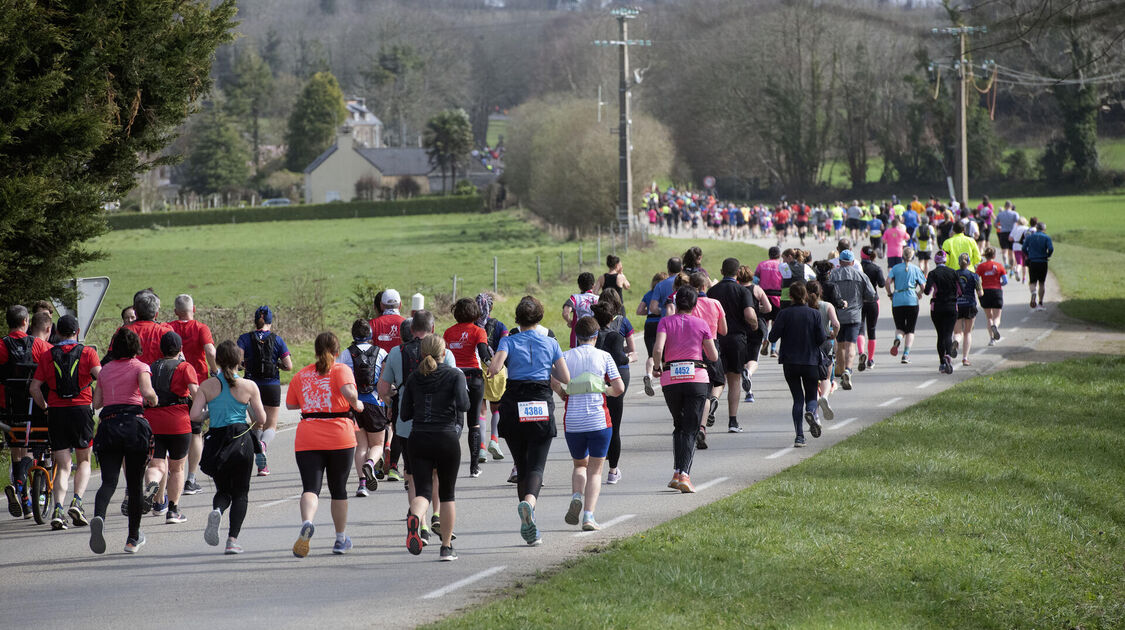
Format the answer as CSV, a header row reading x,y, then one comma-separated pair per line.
x,y
476,577
1013,329
1026,317
783,451
927,383
981,351
841,424
287,429
890,402
610,523
714,482
280,501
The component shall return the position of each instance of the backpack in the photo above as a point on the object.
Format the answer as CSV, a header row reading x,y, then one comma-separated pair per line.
x,y
611,341
411,357
364,363
66,363
264,366
492,331
162,372
17,372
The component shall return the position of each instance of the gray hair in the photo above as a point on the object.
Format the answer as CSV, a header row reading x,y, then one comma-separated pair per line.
x,y
146,305
422,322
907,254
184,303
16,316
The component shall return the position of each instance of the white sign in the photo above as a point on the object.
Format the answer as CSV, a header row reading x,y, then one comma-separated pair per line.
x,y
91,292
709,182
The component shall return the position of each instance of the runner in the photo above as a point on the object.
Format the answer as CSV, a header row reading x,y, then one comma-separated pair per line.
x,y
711,312
1006,221
855,222
469,344
68,371
175,383
652,319
764,312
826,386
365,359
435,397
615,337
837,219
895,238
225,399
693,263
968,289
20,355
199,351
146,305
870,315
959,244
612,279
852,288
682,341
387,327
741,322
123,435
264,353
767,275
527,420
912,216
586,419
1037,250
926,237
801,333
941,286
904,287
1016,239
578,305
496,330
993,277
325,392
875,234
985,212
128,316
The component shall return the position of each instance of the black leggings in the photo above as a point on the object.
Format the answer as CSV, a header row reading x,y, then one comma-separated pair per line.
x,y
944,317
337,463
530,458
616,406
110,458
435,450
870,317
686,402
802,380
474,378
232,485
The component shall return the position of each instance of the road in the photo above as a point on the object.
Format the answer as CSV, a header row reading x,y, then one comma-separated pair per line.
x,y
177,579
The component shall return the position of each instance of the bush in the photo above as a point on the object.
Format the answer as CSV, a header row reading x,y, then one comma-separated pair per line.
x,y
464,187
407,187
1018,166
312,212
1053,161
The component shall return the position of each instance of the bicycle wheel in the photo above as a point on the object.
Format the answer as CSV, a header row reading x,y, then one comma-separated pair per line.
x,y
40,497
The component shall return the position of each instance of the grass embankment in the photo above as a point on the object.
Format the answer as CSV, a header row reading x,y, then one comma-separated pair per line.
x,y
995,504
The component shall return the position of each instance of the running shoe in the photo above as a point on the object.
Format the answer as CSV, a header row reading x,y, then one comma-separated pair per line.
x,y
846,379
149,497
77,516
685,484
765,348
474,469
773,353
191,487
1032,306
905,359
58,521
747,384
14,507
675,483
947,364
799,442
361,491
991,342
825,408
494,449
435,525
894,347
734,428
27,511
862,361
648,386
613,477
589,524
233,548
264,471
211,532
97,540
514,476
711,411
871,364
424,534
380,471
528,529
575,510
133,545
447,554
814,426
159,509
125,506
965,362
393,474
749,397
956,346
174,517
701,439
369,474
301,547
995,332
340,547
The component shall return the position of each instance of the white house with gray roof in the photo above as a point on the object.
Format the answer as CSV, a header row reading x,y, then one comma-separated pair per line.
x,y
333,175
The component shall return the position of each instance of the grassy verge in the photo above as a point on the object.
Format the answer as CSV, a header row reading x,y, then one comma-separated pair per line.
x,y
995,504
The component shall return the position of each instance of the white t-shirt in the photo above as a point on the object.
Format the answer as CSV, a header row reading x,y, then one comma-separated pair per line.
x,y
1017,234
588,412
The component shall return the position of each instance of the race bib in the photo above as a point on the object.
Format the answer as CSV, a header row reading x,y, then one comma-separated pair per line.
x,y
682,371
533,411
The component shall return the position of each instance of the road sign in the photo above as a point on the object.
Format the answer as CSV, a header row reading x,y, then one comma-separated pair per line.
x,y
709,182
91,292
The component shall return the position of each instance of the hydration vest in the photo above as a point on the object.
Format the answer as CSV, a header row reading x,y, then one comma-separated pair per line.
x,y
162,372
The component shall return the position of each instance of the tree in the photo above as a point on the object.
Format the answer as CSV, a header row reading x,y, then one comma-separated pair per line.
x,y
218,158
395,72
448,139
248,94
90,94
316,116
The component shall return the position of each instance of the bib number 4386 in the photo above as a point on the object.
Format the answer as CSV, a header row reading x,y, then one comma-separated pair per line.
x,y
533,411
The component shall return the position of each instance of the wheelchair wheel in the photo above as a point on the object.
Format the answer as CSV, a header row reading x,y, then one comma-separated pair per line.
x,y
40,497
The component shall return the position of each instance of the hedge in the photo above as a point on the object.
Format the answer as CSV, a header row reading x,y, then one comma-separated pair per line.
x,y
312,212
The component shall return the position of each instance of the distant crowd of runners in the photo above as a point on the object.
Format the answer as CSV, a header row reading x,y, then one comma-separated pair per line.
x,y
394,400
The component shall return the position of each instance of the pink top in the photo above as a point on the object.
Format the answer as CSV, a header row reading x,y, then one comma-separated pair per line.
x,y
118,382
895,238
710,311
684,343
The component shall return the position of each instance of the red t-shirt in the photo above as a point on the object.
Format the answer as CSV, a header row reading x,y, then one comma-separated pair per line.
x,y
174,420
385,331
38,347
462,340
46,373
195,335
150,333
990,273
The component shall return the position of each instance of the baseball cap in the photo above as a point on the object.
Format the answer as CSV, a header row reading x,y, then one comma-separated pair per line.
x,y
847,256
390,296
171,343
67,325
264,313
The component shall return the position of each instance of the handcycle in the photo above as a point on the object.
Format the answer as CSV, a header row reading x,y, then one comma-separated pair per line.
x,y
29,430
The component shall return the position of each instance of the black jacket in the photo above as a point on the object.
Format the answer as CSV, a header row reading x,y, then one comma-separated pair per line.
x,y
436,401
801,332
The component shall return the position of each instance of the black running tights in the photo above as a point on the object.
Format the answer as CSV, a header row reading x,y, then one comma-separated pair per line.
x,y
802,381
616,406
686,402
135,463
232,491
944,317
475,380
530,458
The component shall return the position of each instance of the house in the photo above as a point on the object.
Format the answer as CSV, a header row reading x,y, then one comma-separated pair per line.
x,y
367,129
334,174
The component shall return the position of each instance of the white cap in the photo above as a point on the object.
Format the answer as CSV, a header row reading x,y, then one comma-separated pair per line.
x,y
390,296
417,302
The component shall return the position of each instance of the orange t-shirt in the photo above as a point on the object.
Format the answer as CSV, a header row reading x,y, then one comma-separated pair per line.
x,y
314,393
462,340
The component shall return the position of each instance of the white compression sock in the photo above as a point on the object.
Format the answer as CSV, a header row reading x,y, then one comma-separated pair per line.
x,y
268,435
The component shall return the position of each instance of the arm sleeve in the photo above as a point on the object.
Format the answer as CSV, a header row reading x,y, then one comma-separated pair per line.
x,y
461,402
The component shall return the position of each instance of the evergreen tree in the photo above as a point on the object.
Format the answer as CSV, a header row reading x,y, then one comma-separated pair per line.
x,y
218,160
316,116
248,94
448,139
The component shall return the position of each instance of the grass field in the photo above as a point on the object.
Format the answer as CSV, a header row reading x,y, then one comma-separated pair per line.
x,y
496,128
950,514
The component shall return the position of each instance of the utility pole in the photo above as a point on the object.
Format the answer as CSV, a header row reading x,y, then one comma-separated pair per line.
x,y
624,146
961,66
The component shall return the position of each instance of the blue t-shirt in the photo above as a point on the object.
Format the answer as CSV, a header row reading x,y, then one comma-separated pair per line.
x,y
530,356
968,282
249,353
1037,247
907,279
662,292
645,300
910,219
875,226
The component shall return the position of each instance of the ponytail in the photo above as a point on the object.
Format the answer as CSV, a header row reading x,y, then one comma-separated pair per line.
x,y
327,346
432,348
228,355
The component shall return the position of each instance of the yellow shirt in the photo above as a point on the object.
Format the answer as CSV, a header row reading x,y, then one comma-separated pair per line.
x,y
960,244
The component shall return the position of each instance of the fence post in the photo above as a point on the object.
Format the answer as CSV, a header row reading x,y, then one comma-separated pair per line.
x,y
599,242
562,268
495,274
454,288
538,271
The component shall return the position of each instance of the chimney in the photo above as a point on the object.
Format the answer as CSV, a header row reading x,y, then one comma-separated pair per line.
x,y
344,136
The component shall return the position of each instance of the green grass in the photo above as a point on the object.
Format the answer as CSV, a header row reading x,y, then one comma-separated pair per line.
x,y
995,504
1111,153
496,128
834,173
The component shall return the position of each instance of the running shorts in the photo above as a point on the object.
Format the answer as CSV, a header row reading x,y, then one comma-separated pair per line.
x,y
780,227
1036,271
372,419
735,352
1003,238
922,255
170,446
197,427
892,261
271,395
837,224
754,344
992,298
848,333
877,242
967,311
70,427
906,318
583,444
855,224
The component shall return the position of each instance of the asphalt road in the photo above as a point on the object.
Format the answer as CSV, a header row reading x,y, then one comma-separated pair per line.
x,y
179,580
